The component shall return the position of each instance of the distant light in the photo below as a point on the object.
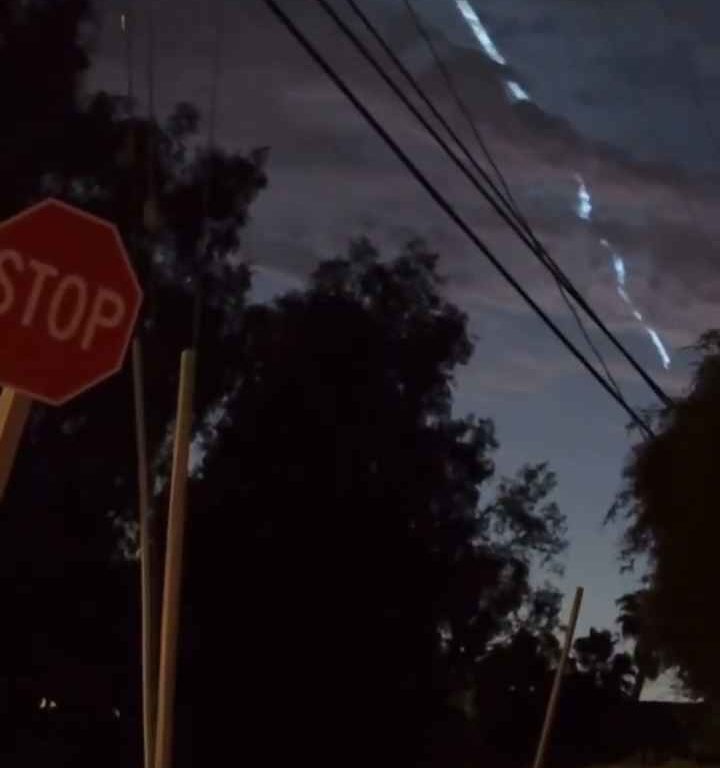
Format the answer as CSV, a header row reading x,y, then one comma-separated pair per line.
x,y
53,705
620,275
619,267
479,31
622,293
116,713
123,22
43,703
660,347
584,201
516,91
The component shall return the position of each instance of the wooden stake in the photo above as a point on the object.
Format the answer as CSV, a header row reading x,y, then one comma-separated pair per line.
x,y
173,563
14,410
148,566
559,672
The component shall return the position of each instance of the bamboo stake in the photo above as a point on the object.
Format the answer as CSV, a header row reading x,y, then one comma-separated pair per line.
x,y
173,564
148,565
555,693
14,411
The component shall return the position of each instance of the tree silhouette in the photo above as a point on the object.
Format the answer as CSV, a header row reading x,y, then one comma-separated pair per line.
x,y
340,523
345,573
68,576
667,502
634,626
603,668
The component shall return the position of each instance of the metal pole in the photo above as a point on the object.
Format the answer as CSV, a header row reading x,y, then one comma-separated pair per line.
x,y
554,694
173,564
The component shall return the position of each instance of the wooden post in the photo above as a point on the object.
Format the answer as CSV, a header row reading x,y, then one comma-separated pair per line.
x,y
554,694
14,410
148,566
173,564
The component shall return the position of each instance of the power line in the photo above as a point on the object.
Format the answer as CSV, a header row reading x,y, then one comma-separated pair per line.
x,y
512,207
461,105
530,241
217,23
465,111
372,29
446,206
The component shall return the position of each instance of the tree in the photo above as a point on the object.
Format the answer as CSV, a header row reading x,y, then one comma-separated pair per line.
x,y
603,668
40,100
339,520
362,575
68,569
513,684
667,501
634,626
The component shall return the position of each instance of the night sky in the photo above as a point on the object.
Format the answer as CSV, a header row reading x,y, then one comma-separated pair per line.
x,y
622,102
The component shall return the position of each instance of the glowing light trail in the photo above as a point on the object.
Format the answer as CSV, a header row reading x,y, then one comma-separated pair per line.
x,y
516,91
584,201
584,206
620,275
479,31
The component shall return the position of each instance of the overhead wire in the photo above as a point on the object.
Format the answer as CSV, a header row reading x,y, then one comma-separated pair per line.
x,y
463,108
652,125
207,181
530,241
502,208
446,206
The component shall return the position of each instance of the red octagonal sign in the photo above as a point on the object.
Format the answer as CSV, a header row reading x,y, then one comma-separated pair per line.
x,y
68,301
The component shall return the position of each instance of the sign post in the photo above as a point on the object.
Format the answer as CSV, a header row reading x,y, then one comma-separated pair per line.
x,y
14,410
173,563
69,299
559,672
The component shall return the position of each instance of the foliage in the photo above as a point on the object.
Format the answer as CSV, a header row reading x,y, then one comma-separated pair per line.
x,y
68,585
349,502
635,625
344,563
670,483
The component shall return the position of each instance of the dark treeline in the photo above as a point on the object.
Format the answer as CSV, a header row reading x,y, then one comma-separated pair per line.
x,y
357,582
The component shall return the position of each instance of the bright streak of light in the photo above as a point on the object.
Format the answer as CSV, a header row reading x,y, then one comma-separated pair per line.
x,y
123,22
619,266
516,91
479,31
659,346
620,275
584,201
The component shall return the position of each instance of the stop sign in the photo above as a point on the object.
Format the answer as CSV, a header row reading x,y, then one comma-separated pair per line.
x,y
68,301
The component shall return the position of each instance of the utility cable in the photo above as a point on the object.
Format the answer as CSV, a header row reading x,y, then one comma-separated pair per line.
x,y
465,111
535,247
446,206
